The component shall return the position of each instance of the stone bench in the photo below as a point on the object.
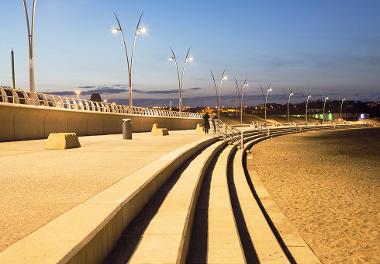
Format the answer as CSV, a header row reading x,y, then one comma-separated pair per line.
x,y
62,141
156,131
199,128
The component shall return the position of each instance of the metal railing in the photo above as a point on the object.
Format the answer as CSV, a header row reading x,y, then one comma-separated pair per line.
x,y
16,96
227,132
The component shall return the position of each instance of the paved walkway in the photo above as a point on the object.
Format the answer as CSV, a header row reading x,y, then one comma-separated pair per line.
x,y
37,185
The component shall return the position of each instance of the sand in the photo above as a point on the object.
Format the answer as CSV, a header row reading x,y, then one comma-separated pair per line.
x,y
328,185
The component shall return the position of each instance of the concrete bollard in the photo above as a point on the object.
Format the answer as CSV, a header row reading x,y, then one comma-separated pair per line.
x,y
127,129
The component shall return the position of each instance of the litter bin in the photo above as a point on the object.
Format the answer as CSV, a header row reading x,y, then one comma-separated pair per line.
x,y
127,129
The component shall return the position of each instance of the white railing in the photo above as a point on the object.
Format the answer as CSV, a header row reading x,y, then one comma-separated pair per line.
x,y
224,130
8,95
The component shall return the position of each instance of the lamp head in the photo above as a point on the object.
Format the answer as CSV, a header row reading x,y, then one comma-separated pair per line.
x,y
141,30
189,59
77,92
327,98
245,84
291,94
115,30
344,99
224,78
270,89
171,58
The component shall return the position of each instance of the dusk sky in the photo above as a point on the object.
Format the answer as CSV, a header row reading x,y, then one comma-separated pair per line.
x,y
322,47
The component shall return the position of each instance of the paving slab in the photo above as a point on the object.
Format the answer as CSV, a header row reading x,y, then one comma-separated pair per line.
x,y
37,185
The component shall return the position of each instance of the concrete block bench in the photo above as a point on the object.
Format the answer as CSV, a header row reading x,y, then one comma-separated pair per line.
x,y
62,141
156,131
199,128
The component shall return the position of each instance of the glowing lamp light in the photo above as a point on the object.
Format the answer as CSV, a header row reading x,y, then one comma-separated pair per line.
x,y
291,94
189,59
115,30
141,30
225,78
270,89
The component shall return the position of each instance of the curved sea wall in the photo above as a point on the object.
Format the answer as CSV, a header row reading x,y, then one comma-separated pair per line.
x,y
23,122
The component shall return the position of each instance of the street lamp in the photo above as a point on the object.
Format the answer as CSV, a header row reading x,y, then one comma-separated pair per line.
x,y
140,30
323,111
341,107
77,92
269,89
30,27
188,59
307,103
217,90
240,91
290,95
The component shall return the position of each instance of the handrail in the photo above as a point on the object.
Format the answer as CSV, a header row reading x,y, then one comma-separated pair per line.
x,y
227,132
17,96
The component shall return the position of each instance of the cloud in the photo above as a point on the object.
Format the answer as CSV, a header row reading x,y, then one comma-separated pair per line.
x,y
116,89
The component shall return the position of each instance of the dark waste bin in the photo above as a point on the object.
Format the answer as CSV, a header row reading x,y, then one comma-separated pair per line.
x,y
127,129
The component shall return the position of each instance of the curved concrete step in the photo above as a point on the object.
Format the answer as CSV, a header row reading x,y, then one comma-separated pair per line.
x,y
293,246
166,237
88,232
266,245
222,243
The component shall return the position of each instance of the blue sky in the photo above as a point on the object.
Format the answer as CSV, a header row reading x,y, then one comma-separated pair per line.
x,y
316,46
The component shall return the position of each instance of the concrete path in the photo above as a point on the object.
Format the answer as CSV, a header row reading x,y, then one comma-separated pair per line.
x,y
37,185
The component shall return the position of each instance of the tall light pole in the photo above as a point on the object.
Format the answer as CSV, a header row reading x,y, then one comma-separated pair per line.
x,y
307,103
341,107
30,30
269,89
140,30
188,59
240,91
13,70
290,95
323,111
217,89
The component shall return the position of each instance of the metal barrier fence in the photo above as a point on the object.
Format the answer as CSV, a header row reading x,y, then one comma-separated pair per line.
x,y
8,95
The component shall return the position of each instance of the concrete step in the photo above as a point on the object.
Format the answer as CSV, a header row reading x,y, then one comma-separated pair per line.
x,y
266,246
88,232
165,238
223,245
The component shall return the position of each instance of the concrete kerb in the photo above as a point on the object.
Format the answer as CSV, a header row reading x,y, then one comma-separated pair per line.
x,y
185,242
87,233
295,244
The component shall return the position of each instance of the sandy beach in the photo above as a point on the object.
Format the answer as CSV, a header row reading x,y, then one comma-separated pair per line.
x,y
328,185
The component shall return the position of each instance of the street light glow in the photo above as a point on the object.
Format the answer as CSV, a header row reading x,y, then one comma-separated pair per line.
x,y
115,30
225,78
270,89
141,30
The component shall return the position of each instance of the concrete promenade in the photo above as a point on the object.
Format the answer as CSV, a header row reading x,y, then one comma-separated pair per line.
x,y
37,185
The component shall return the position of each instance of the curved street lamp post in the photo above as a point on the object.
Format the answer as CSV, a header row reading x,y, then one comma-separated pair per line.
x,y
290,95
240,91
217,90
341,108
307,103
269,89
140,30
323,111
30,28
188,59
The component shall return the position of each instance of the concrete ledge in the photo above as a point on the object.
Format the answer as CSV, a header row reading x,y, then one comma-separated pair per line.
x,y
88,232
62,141
200,128
156,131
23,122
267,248
166,238
298,248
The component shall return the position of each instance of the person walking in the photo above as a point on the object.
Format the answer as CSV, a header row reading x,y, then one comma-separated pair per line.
x,y
206,122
